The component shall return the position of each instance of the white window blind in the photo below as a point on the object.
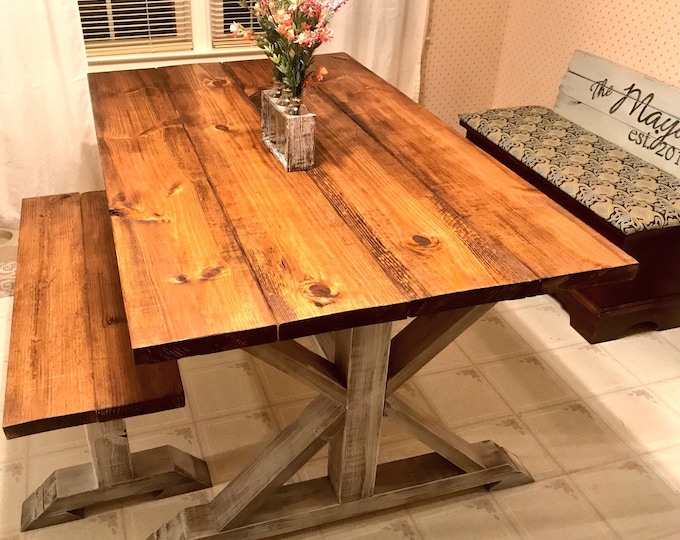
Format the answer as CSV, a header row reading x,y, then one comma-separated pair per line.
x,y
135,26
222,14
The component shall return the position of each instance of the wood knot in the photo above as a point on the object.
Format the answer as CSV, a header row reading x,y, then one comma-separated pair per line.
x,y
218,83
175,188
221,127
420,242
212,272
128,211
116,321
179,278
320,293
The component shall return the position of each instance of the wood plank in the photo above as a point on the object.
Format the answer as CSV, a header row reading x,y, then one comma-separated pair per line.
x,y
122,389
183,275
424,338
50,314
594,68
361,356
413,234
451,446
303,365
63,496
309,504
327,343
291,449
110,452
637,140
315,273
560,250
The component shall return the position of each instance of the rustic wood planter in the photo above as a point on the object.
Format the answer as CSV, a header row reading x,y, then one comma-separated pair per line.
x,y
290,137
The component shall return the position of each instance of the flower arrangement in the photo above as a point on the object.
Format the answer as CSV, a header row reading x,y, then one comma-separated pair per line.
x,y
291,31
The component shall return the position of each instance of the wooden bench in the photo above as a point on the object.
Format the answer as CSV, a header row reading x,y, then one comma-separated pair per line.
x,y
70,363
609,152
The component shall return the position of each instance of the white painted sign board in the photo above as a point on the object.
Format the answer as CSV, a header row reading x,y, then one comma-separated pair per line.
x,y
636,112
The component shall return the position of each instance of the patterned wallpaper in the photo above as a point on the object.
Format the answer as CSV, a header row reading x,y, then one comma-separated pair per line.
x,y
496,53
462,56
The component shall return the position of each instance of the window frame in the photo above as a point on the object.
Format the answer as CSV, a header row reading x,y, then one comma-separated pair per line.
x,y
202,49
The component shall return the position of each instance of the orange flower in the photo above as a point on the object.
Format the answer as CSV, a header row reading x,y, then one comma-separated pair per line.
x,y
320,73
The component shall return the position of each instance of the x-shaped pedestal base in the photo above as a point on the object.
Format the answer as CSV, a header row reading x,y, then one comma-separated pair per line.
x,y
357,388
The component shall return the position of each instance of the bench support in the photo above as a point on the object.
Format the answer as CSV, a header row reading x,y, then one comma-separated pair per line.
x,y
114,474
257,504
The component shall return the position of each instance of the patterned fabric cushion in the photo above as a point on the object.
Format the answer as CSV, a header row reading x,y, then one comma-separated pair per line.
x,y
631,194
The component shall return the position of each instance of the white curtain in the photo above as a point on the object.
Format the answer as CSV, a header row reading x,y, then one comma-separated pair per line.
x,y
387,36
47,139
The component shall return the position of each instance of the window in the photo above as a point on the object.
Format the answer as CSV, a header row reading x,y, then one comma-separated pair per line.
x,y
222,14
135,26
120,31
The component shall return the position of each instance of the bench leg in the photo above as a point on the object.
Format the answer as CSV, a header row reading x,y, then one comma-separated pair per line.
x,y
114,474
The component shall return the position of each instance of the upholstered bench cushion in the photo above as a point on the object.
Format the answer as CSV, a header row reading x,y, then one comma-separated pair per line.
x,y
631,194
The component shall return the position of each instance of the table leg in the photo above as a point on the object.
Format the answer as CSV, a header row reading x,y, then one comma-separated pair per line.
x,y
357,388
361,356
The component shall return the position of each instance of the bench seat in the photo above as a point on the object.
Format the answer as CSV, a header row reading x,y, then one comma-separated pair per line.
x,y
70,363
619,187
632,203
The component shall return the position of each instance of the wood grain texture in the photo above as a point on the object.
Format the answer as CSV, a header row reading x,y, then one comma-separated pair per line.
x,y
446,444
312,503
110,452
291,449
424,338
122,389
69,302
66,493
184,277
361,357
49,370
400,215
498,205
304,365
314,273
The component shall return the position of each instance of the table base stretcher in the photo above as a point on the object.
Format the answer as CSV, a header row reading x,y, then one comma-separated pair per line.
x,y
357,389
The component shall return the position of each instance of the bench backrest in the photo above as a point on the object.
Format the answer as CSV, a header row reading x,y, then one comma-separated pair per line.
x,y
640,114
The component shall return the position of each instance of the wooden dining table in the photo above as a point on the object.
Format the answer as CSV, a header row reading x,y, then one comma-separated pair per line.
x,y
219,248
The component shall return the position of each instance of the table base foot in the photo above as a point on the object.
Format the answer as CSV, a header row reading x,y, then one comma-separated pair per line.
x,y
66,493
312,503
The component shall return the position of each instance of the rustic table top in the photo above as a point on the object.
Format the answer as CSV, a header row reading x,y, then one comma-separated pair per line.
x,y
219,248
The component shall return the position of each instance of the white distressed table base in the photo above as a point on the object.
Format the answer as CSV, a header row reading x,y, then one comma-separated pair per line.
x,y
114,474
360,382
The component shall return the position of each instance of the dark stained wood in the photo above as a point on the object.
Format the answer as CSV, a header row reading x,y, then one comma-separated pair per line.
x,y
184,277
122,389
49,370
71,362
310,266
495,203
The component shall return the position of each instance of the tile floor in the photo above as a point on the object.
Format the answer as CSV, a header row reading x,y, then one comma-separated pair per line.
x,y
597,426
